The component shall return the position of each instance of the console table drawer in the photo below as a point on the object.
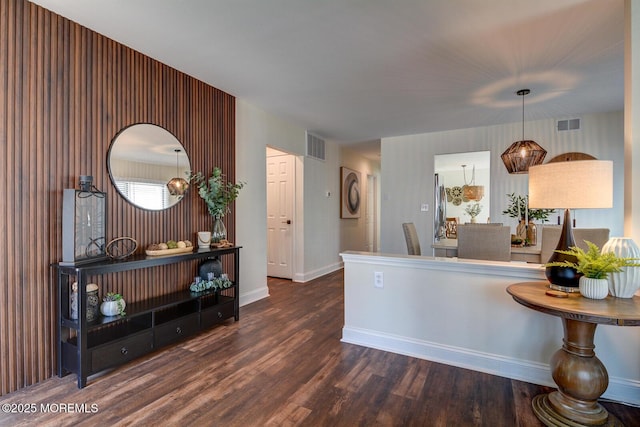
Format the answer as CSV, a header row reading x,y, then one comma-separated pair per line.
x,y
175,330
121,351
217,314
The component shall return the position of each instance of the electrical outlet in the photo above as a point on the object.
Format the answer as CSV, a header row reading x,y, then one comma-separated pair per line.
x,y
378,279
424,207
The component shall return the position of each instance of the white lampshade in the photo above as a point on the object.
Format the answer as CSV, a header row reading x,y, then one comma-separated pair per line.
x,y
574,184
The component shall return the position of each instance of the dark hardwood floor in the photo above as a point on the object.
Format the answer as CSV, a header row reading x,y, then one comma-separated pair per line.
x,y
283,364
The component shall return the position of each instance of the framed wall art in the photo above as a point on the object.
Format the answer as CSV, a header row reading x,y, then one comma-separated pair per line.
x,y
350,193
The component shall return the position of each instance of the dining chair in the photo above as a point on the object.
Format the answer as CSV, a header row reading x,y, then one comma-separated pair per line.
x,y
551,236
411,237
484,241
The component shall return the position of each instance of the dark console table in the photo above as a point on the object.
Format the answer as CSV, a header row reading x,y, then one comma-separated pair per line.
x,y
86,348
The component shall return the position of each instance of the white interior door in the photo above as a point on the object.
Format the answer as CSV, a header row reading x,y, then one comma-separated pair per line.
x,y
280,190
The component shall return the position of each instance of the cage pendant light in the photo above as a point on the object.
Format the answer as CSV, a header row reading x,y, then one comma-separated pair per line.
x,y
521,155
177,186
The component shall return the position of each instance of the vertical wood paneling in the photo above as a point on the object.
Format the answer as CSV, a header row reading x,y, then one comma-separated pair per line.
x,y
65,91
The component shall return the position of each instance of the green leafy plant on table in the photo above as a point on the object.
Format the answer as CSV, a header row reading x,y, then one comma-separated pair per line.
x,y
592,263
518,205
216,193
473,210
117,298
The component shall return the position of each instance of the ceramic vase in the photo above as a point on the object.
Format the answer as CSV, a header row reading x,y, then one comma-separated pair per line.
x,y
625,283
594,288
532,234
212,265
112,308
92,302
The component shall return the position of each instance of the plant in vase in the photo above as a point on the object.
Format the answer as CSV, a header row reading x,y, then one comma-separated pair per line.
x,y
217,195
526,231
113,305
473,211
595,266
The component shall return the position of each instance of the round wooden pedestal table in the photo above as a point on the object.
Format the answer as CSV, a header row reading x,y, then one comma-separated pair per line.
x,y
580,376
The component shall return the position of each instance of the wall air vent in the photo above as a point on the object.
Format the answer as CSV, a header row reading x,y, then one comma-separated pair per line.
x,y
315,147
570,124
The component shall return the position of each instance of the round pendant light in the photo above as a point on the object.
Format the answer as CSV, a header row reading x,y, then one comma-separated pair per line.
x,y
177,186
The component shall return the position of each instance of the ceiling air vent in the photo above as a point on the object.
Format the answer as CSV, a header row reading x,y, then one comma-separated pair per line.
x,y
570,124
315,147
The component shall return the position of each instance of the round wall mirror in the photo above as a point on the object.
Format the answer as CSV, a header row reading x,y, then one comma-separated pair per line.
x,y
143,158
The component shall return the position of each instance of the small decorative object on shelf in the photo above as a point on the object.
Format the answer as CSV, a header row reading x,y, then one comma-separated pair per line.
x,y
217,195
594,264
92,302
212,283
218,231
121,247
169,248
210,266
113,305
204,239
223,243
83,223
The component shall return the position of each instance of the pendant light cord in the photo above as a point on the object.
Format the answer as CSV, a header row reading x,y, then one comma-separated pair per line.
x,y
473,175
523,94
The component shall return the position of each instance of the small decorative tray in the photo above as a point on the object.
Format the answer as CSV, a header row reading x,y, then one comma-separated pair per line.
x,y
169,251
222,244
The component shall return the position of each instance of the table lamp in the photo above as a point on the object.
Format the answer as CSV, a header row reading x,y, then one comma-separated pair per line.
x,y
579,184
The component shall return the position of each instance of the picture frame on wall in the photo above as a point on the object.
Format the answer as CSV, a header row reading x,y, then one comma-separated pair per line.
x,y
350,193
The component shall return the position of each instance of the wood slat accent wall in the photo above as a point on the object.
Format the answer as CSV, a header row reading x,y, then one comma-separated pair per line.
x,y
65,92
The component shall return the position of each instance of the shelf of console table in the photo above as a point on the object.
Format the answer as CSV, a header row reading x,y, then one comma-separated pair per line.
x,y
88,347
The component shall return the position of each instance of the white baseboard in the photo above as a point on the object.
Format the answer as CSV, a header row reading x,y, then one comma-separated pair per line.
x,y
310,275
619,390
253,296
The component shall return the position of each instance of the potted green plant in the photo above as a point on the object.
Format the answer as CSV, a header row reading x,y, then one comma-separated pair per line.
x,y
217,195
526,231
473,210
113,305
519,208
595,267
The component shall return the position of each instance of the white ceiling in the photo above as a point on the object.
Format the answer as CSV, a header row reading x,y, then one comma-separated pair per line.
x,y
360,70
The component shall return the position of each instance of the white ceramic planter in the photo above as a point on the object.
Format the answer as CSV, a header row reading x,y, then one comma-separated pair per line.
x,y
594,288
112,308
625,283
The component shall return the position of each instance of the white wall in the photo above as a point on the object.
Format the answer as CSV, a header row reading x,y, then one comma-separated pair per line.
x,y
407,164
353,234
459,313
318,224
321,215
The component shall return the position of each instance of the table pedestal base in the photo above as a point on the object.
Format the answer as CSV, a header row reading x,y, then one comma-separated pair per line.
x,y
581,378
546,413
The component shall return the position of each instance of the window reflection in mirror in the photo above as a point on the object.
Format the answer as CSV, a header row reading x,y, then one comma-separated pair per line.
x,y
463,180
141,161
